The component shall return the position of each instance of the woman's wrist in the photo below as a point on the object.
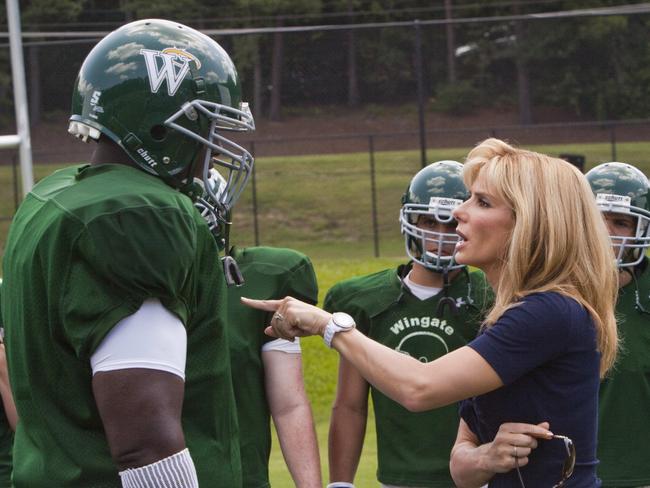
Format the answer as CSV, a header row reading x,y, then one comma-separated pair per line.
x,y
323,326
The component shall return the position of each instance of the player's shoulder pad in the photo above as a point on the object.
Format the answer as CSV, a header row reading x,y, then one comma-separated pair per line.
x,y
281,258
366,292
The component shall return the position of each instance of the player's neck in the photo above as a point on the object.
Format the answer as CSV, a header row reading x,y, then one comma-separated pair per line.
x,y
108,152
425,277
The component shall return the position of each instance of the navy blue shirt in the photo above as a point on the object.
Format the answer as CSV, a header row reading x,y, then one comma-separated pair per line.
x,y
544,351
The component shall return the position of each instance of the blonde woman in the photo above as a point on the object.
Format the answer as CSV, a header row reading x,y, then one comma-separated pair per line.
x,y
532,225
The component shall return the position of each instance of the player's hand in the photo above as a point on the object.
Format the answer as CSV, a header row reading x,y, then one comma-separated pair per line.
x,y
512,445
291,318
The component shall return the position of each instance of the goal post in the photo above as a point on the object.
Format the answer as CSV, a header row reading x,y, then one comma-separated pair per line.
x,y
22,140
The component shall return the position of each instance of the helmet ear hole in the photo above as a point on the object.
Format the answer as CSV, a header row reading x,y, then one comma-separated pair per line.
x,y
158,132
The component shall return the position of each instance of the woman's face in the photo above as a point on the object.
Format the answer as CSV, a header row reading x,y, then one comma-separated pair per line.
x,y
485,224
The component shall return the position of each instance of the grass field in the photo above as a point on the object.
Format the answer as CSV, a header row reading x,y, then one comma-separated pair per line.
x,y
322,206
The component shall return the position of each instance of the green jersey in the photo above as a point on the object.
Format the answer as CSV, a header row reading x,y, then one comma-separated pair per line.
x,y
624,407
87,246
269,273
412,448
6,435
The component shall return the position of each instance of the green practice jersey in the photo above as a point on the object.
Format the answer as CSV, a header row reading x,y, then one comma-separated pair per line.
x,y
412,448
87,246
269,273
624,407
6,436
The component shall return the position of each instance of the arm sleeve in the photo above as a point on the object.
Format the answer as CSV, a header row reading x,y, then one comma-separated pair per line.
x,y
118,261
302,283
526,336
283,345
152,338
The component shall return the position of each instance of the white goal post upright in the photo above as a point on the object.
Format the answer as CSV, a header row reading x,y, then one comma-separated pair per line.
x,y
21,140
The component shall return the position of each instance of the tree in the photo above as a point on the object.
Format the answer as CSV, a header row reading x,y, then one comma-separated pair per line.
x,y
35,13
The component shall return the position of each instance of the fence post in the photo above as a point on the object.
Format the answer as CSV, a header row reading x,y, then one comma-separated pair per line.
x,y
256,229
612,138
421,103
373,194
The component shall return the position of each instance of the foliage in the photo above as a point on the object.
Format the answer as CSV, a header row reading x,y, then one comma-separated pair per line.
x,y
37,11
457,99
178,9
598,67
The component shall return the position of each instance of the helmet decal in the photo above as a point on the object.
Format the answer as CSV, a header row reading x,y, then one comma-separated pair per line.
x,y
173,67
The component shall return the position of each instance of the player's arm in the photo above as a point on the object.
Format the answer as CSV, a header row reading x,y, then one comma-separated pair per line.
x,y
291,412
138,384
347,423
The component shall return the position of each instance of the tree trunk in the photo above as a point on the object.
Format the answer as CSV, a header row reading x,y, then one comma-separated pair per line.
x,y
353,81
276,74
257,83
523,78
451,44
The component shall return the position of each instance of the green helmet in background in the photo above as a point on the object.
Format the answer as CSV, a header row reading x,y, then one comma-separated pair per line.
x,y
435,191
623,189
164,92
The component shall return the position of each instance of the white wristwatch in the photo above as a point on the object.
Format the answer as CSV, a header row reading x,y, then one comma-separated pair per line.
x,y
340,322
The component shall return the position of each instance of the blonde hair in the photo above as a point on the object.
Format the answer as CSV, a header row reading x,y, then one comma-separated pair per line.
x,y
559,241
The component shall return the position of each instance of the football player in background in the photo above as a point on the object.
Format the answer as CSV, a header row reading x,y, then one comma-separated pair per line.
x,y
267,372
113,294
423,309
623,195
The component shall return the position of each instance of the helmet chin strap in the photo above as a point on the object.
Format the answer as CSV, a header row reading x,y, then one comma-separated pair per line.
x,y
446,300
637,297
231,269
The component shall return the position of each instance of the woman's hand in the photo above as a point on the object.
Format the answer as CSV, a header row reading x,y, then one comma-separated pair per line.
x,y
292,318
512,445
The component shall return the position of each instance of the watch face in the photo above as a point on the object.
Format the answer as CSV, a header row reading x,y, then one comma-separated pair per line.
x,y
343,320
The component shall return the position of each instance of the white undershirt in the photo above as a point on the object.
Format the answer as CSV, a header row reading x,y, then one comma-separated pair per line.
x,y
283,345
151,338
420,291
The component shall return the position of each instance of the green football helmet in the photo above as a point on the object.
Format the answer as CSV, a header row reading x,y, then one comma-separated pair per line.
x,y
621,188
435,191
164,92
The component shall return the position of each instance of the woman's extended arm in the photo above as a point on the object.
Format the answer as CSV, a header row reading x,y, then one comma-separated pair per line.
x,y
460,374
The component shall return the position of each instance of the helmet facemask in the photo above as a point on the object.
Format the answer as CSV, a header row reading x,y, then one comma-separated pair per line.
x,y
431,249
628,250
220,151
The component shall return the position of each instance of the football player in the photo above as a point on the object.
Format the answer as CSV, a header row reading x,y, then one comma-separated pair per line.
x,y
113,292
423,309
623,194
267,372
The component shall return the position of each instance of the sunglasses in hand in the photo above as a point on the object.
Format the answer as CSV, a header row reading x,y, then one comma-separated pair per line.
x,y
567,468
